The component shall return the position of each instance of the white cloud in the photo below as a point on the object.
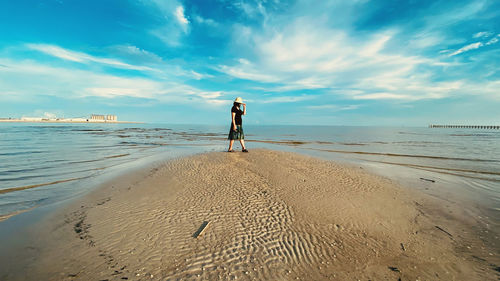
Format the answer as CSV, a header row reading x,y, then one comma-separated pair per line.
x,y
333,107
59,52
375,46
69,82
175,24
493,40
457,14
140,91
416,88
169,35
379,96
248,73
211,95
284,99
242,36
244,61
476,45
350,107
252,9
75,84
323,106
466,48
217,102
135,54
179,15
199,76
482,34
426,38
308,50
156,66
80,57
201,20
307,55
490,89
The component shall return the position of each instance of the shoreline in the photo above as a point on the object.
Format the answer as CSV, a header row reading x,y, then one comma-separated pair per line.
x,y
293,205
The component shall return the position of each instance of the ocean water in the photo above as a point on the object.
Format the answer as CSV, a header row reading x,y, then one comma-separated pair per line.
x,y
42,164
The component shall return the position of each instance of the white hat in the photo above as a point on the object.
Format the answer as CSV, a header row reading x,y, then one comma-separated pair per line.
x,y
238,100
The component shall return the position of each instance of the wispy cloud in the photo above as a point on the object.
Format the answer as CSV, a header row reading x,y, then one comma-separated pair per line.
x,y
493,40
207,21
482,34
383,96
134,53
199,76
308,56
247,72
395,63
466,48
54,81
284,99
476,45
334,107
251,9
80,57
150,63
175,23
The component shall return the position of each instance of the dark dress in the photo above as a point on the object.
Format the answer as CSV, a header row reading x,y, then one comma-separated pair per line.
x,y
238,134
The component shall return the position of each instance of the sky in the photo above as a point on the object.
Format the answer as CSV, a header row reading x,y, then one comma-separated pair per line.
x,y
304,62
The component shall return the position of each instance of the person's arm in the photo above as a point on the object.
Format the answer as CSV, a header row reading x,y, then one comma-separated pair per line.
x,y
233,122
244,108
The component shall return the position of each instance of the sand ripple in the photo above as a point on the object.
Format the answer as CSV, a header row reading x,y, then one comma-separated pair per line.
x,y
273,216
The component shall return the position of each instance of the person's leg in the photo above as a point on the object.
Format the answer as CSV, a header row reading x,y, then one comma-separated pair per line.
x,y
230,145
241,138
242,142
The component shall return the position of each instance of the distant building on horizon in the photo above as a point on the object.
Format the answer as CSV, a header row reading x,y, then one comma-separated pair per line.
x,y
103,118
94,118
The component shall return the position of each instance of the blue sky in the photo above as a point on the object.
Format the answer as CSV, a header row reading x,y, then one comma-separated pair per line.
x,y
359,62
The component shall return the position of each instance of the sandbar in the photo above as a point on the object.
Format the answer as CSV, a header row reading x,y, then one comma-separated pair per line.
x,y
263,215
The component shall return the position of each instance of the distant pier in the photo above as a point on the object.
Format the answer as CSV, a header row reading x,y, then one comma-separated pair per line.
x,y
465,127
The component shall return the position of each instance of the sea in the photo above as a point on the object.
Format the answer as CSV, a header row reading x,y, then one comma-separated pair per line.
x,y
44,164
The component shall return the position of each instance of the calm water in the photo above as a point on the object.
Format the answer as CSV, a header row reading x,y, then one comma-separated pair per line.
x,y
46,163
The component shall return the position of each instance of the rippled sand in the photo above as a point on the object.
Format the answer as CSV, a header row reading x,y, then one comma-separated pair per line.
x,y
273,216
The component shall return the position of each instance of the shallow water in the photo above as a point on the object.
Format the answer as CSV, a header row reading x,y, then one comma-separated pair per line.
x,y
43,163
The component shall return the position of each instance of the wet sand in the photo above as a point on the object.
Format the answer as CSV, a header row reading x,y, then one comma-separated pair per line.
x,y
272,216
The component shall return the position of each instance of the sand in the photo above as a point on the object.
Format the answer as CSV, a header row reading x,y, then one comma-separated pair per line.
x,y
272,216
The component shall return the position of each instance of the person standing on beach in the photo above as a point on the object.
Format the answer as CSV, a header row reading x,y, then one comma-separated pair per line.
x,y
236,130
